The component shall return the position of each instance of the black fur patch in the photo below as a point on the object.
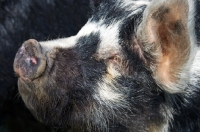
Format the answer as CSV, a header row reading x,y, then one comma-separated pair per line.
x,y
87,45
127,32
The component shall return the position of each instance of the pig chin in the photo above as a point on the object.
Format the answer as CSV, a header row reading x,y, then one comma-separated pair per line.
x,y
41,96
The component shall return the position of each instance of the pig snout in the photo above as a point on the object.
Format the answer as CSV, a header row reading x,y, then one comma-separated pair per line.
x,y
29,61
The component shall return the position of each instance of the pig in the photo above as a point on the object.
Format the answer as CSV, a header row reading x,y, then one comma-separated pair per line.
x,y
133,67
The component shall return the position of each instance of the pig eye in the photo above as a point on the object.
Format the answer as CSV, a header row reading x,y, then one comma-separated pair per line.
x,y
114,59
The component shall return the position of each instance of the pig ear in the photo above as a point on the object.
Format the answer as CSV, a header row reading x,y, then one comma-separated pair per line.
x,y
165,38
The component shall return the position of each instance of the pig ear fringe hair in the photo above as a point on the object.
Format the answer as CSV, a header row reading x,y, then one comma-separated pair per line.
x,y
154,48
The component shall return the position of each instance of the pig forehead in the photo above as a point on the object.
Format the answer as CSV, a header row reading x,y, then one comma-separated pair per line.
x,y
112,16
106,25
109,19
108,35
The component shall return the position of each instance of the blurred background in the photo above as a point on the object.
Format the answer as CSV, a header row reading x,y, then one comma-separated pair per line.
x,y
41,20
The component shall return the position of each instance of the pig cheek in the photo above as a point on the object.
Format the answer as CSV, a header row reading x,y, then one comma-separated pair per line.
x,y
33,93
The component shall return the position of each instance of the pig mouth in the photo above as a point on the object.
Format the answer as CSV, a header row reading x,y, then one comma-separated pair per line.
x,y
30,63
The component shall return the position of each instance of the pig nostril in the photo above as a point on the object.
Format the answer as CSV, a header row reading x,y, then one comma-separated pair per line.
x,y
29,61
33,60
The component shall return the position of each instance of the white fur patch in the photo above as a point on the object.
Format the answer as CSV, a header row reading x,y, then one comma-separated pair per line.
x,y
90,27
109,44
59,43
195,69
109,94
112,72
